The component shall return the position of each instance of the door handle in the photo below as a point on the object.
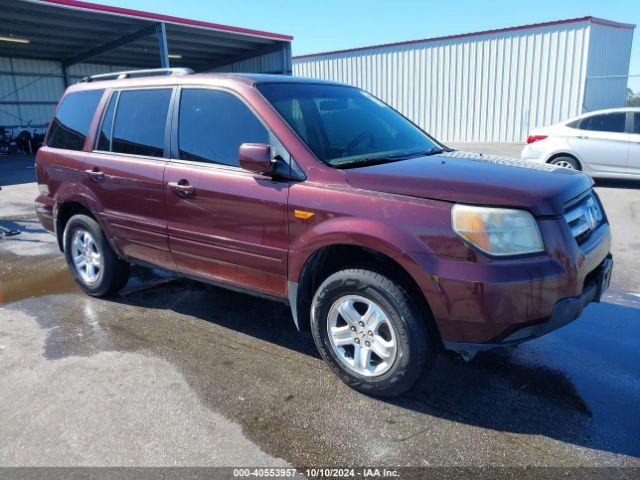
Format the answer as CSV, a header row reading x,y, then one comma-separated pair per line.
x,y
95,174
182,188
583,137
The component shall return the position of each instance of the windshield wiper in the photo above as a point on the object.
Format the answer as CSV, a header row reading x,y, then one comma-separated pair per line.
x,y
433,151
420,153
362,162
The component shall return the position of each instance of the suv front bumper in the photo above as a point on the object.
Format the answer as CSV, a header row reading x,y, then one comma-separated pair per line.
x,y
565,311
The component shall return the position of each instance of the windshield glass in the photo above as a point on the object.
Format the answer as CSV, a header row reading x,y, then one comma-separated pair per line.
x,y
345,126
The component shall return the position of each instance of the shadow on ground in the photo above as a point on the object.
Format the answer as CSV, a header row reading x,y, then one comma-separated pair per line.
x,y
17,169
617,183
509,390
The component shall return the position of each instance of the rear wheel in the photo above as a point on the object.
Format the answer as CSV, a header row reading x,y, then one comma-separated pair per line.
x,y
371,333
566,162
93,264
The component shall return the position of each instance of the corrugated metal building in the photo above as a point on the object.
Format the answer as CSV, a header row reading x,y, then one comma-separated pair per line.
x,y
490,86
47,44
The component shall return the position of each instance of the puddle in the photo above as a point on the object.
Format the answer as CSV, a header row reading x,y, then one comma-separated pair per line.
x,y
31,277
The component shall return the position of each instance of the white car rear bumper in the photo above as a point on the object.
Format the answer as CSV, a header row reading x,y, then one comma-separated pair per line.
x,y
528,153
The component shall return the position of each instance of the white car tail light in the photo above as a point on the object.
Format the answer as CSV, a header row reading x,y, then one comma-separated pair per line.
x,y
535,138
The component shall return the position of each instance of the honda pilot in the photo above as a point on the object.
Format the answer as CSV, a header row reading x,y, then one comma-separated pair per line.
x,y
387,245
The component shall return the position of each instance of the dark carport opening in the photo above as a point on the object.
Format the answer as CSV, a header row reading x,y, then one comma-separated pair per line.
x,y
49,44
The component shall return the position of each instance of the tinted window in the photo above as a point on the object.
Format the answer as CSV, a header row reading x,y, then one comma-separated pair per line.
x,y
213,124
608,122
70,125
104,138
636,123
345,125
140,121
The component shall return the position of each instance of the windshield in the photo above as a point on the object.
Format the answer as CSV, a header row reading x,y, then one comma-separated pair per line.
x,y
345,126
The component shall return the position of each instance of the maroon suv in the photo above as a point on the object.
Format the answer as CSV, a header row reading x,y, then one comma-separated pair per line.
x,y
386,244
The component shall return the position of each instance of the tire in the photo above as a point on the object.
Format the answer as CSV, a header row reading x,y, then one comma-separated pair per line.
x,y
110,273
566,162
400,323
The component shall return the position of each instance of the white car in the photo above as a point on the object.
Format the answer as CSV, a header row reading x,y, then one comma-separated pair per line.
x,y
604,143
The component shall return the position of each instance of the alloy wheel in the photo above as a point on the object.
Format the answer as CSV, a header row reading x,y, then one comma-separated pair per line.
x,y
87,259
564,164
361,335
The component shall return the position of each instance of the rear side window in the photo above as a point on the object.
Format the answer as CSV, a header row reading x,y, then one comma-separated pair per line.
x,y
636,123
213,124
140,121
70,125
607,122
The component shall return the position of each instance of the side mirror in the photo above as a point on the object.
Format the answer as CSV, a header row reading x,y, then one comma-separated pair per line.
x,y
256,157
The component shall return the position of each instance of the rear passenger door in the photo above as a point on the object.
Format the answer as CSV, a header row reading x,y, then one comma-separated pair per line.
x,y
634,145
231,226
125,172
602,142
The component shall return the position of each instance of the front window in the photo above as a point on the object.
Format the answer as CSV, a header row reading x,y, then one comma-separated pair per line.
x,y
213,124
345,126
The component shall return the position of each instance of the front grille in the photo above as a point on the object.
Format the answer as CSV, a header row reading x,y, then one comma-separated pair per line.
x,y
584,217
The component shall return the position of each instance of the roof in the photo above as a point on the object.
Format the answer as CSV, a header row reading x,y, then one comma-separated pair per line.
x,y
599,21
198,79
270,78
127,12
63,30
608,110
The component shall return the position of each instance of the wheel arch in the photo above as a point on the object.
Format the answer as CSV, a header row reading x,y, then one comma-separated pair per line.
x,y
64,213
76,199
332,257
565,154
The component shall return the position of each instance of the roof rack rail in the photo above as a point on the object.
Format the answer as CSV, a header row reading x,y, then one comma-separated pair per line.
x,y
150,72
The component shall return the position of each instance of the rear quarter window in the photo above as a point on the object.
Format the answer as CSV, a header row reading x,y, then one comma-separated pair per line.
x,y
606,122
71,122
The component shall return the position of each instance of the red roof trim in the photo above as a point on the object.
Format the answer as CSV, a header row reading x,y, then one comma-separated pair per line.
x,y
599,21
96,7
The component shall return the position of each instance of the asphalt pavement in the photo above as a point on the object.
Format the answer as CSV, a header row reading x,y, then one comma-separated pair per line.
x,y
173,372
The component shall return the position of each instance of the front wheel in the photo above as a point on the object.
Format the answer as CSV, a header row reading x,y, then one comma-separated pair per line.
x,y
94,265
371,332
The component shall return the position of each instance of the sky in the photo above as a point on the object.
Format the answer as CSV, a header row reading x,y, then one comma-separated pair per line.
x,y
319,26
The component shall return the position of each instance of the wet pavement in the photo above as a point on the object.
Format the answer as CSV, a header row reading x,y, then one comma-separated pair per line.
x,y
173,372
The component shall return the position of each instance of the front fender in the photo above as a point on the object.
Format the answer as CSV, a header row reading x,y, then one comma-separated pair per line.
x,y
360,232
408,251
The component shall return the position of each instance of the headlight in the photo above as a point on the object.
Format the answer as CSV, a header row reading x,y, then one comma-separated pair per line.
x,y
497,231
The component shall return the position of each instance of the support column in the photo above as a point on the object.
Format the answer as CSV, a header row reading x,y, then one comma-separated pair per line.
x,y
161,33
65,73
287,68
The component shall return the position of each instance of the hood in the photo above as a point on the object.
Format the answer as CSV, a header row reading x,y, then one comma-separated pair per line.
x,y
476,179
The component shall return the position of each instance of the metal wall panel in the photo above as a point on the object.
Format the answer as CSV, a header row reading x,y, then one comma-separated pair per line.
x,y
273,62
608,67
490,87
28,91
